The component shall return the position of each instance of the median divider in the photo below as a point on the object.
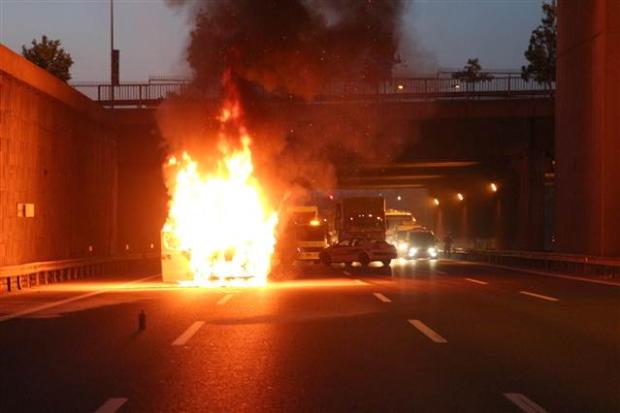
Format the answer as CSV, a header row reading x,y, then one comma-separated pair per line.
x,y
580,265
22,276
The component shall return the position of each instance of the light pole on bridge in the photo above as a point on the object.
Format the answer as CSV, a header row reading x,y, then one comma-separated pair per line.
x,y
114,57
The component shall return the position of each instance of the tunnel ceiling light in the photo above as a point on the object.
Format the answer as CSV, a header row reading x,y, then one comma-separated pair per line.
x,y
460,196
435,201
493,187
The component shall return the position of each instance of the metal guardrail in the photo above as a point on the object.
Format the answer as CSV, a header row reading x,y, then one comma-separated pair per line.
x,y
548,261
17,277
396,89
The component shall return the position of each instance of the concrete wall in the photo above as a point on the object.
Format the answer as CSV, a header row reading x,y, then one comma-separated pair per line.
x,y
588,127
142,196
58,153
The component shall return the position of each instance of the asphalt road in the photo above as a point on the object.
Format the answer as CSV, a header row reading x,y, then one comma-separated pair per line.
x,y
424,337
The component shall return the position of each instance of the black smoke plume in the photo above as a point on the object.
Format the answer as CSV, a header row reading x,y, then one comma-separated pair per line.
x,y
286,48
294,46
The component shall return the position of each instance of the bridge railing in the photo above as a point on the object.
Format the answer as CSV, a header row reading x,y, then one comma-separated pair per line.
x,y
584,265
18,277
399,89
134,93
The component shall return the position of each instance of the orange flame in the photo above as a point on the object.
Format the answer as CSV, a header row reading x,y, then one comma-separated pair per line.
x,y
221,222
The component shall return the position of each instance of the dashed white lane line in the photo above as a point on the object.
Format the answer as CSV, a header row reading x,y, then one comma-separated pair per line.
x,y
473,280
72,299
224,299
187,334
346,273
382,298
441,272
542,297
427,331
524,403
111,405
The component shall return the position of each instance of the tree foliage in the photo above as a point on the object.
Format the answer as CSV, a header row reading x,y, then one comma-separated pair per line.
x,y
472,72
50,56
541,52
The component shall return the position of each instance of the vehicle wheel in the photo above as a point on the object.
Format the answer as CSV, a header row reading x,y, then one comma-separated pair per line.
x,y
326,259
386,263
364,260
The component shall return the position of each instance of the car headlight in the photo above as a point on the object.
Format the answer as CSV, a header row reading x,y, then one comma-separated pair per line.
x,y
403,246
413,251
432,251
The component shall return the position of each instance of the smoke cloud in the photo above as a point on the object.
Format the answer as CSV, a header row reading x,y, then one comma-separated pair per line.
x,y
294,46
282,49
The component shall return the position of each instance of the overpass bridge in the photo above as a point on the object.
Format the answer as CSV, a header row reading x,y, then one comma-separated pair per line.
x,y
443,146
397,89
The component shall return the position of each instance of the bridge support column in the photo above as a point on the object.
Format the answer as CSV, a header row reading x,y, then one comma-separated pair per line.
x,y
588,127
531,195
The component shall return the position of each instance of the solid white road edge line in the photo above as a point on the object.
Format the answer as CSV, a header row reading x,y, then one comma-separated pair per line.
x,y
542,297
473,280
187,334
70,300
543,273
524,403
427,331
382,297
224,299
111,405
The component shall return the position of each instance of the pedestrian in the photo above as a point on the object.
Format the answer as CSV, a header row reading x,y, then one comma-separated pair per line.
x,y
447,245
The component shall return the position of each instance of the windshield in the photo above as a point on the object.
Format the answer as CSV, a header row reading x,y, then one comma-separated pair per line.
x,y
310,233
421,238
302,217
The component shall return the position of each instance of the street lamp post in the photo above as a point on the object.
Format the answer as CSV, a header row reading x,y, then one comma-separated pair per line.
x,y
114,56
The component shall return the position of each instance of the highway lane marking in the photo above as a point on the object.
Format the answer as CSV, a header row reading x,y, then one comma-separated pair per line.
x,y
441,272
473,280
427,331
360,282
524,403
346,272
542,297
382,298
224,299
187,334
72,299
111,405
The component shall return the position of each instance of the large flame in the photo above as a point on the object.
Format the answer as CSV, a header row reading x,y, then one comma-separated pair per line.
x,y
220,220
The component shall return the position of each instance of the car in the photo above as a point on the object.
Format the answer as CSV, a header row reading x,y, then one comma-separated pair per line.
x,y
417,244
363,251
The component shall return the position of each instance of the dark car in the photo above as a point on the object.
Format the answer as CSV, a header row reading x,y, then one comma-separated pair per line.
x,y
417,244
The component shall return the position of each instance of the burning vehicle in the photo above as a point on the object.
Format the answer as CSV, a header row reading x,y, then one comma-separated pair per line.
x,y
220,228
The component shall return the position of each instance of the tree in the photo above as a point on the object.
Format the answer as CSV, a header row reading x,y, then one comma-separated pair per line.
x,y
50,56
472,72
541,52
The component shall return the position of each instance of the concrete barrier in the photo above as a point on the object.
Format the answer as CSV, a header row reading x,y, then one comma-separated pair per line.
x,y
582,265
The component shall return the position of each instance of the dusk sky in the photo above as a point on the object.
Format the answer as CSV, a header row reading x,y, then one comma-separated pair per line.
x,y
152,37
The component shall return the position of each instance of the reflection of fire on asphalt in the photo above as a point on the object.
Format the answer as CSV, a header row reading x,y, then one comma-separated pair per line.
x,y
220,228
